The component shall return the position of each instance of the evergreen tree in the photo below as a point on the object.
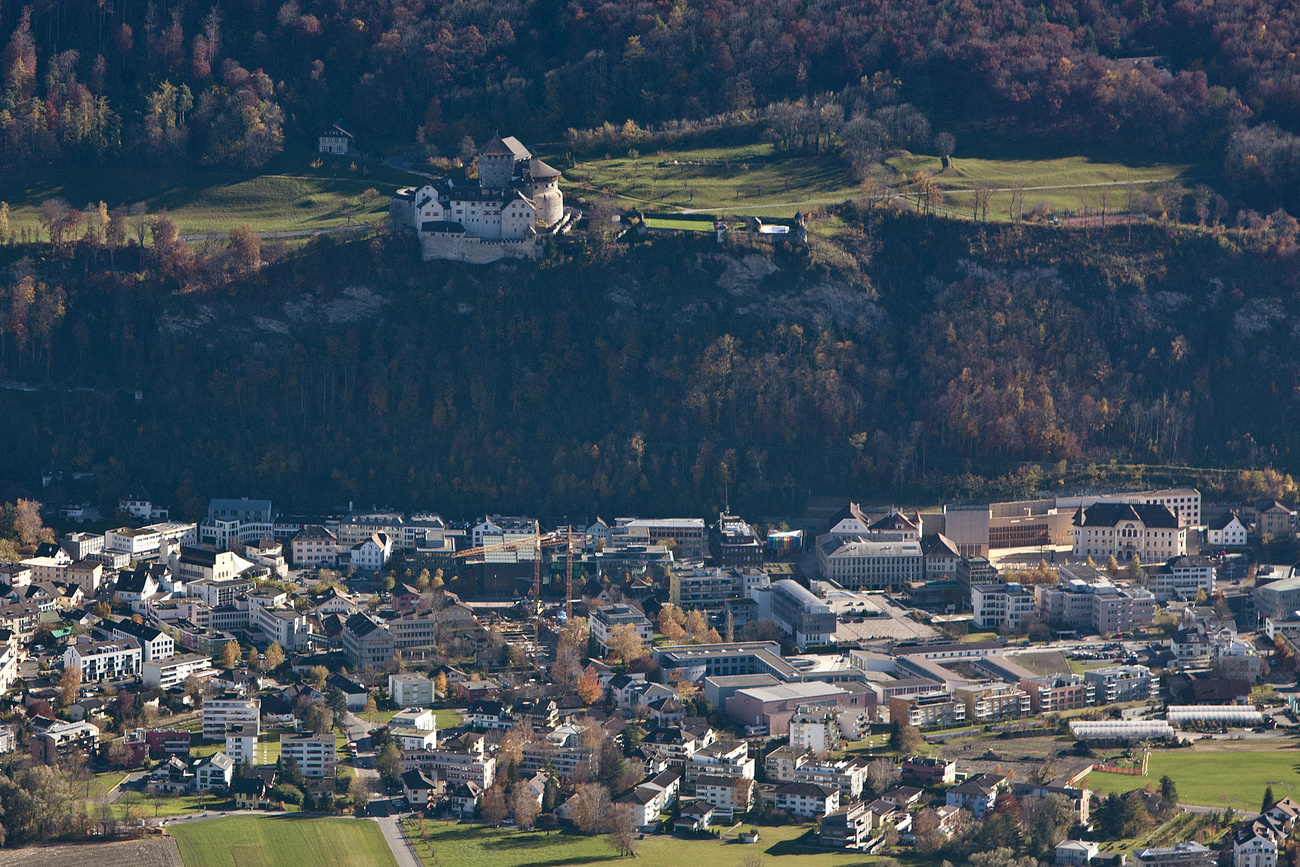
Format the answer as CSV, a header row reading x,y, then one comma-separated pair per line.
x,y
1269,800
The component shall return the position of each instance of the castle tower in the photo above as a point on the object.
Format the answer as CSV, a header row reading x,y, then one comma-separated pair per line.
x,y
544,189
496,162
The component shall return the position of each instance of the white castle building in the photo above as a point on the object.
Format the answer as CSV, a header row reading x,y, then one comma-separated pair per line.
x,y
498,217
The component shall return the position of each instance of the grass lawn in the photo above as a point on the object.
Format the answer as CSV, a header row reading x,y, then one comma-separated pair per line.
x,y
1073,182
446,718
1220,778
447,845
1053,662
742,179
99,785
282,841
209,202
680,225
973,637
1078,666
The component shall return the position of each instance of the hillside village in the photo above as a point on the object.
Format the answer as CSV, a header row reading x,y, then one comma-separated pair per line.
x,y
675,675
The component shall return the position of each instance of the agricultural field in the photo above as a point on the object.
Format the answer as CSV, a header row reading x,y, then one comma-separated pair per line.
x,y
746,179
1064,183
1218,776
147,852
213,202
282,841
445,844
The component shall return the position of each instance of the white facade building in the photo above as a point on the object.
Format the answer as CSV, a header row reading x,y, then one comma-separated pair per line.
x,y
101,660
857,563
1007,607
1121,530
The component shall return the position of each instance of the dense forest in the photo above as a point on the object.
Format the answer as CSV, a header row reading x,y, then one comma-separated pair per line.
x,y
232,82
902,357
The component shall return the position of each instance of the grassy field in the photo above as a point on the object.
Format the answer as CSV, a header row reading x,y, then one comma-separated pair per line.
x,y
211,202
447,845
447,718
1078,666
259,841
737,179
1053,662
1219,778
1066,183
680,225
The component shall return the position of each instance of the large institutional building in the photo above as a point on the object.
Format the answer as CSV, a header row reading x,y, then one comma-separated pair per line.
x,y
496,218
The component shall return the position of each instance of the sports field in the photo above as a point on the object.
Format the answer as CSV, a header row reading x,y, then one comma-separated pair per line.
x,y
1220,778
446,844
282,841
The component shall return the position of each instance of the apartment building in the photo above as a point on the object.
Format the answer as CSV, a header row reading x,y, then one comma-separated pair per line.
x,y
366,641
1094,604
993,701
116,659
410,689
1120,683
173,671
221,712
1059,692
155,646
932,709
1181,578
806,800
606,618
313,547
315,754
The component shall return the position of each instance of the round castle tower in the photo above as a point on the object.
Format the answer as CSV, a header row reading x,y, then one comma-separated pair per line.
x,y
543,188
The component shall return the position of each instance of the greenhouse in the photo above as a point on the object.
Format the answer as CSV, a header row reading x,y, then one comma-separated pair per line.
x,y
1121,730
1235,715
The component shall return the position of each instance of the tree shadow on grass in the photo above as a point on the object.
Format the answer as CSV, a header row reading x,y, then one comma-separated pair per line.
x,y
562,862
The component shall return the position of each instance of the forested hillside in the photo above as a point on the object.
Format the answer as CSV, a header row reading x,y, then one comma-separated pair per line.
x,y
657,377
235,81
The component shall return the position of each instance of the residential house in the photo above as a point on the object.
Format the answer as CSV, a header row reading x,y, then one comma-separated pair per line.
x,y
421,788
694,817
1075,853
213,773
1227,532
1274,520
373,554
977,793
728,795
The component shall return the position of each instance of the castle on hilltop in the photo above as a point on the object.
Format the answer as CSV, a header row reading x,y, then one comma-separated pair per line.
x,y
507,213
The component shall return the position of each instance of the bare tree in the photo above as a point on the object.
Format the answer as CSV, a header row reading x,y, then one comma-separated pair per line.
x,y
591,808
623,829
524,807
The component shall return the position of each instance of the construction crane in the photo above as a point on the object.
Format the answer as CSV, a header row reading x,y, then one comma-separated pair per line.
x,y
538,541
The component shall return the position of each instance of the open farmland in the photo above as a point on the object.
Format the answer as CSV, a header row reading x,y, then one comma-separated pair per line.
x,y
282,841
1219,776
1064,183
148,852
445,844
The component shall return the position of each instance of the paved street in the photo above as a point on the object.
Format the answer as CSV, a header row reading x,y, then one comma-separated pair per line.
x,y
397,842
